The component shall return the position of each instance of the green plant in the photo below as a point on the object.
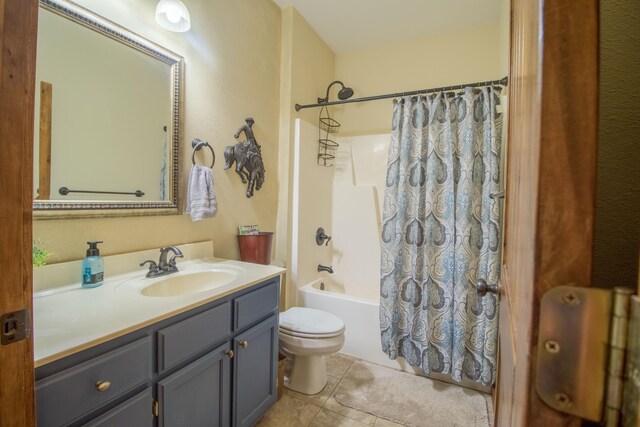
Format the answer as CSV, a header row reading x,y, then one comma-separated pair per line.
x,y
40,255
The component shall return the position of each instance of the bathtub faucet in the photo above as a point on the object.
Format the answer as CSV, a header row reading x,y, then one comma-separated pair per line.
x,y
328,269
321,237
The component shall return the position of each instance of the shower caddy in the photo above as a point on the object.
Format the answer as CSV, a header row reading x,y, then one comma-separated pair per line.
x,y
326,146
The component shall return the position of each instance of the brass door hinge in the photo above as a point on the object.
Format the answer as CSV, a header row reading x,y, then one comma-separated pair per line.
x,y
155,408
582,344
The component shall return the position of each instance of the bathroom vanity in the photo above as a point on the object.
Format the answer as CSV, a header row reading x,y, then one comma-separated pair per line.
x,y
203,358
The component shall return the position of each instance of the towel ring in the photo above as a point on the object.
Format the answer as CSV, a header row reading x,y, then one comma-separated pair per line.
x,y
197,144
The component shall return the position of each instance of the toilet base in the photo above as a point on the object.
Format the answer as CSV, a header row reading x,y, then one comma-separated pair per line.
x,y
306,374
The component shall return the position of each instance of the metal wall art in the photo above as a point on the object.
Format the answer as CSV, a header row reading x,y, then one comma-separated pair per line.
x,y
247,157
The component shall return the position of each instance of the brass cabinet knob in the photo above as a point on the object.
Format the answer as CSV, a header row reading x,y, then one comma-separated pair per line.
x,y
229,354
244,344
103,385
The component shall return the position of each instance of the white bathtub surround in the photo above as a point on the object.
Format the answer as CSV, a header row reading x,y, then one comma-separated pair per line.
x,y
356,241
364,162
357,193
345,200
311,207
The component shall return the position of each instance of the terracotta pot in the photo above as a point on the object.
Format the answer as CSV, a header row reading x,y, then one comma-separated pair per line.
x,y
255,247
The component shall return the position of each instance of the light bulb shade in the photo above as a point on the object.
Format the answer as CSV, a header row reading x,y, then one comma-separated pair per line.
x,y
173,15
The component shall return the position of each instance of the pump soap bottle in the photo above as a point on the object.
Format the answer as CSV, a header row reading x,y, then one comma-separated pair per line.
x,y
92,266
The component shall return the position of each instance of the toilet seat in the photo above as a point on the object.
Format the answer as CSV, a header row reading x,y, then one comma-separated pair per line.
x,y
310,323
309,336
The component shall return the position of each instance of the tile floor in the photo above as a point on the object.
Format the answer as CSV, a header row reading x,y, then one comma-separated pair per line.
x,y
322,410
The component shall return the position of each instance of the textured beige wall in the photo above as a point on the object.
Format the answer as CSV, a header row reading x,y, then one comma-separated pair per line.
x,y
464,56
307,70
232,71
617,232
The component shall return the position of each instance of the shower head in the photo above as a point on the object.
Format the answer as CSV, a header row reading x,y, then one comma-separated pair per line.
x,y
345,92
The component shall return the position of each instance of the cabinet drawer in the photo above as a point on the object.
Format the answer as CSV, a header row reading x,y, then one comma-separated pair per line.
x,y
135,412
185,339
73,393
255,305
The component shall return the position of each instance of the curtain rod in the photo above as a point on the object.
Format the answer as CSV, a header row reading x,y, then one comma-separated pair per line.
x,y
503,81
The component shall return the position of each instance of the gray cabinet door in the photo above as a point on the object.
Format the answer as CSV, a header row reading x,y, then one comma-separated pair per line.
x,y
198,394
255,372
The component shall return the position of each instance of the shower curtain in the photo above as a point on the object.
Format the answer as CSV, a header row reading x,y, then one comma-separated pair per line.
x,y
441,232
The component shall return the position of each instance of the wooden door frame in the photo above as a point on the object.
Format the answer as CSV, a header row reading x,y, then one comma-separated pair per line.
x,y
17,94
550,196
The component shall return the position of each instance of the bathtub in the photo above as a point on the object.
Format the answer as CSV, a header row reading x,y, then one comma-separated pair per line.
x,y
362,324
360,316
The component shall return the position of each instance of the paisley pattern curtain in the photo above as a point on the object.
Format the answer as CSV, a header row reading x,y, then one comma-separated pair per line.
x,y
441,232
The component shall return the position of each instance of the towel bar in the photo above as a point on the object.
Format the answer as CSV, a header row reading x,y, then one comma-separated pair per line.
x,y
197,144
64,191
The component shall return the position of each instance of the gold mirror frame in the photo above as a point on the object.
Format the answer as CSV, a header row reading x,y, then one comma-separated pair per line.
x,y
79,208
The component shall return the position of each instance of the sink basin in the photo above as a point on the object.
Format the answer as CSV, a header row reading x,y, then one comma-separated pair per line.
x,y
189,283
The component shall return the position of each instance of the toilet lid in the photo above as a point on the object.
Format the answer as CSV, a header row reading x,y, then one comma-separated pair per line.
x,y
304,321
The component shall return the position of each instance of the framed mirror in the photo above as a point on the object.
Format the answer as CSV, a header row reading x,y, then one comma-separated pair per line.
x,y
108,115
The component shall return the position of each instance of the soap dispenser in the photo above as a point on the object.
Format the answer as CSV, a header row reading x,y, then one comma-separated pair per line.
x,y
92,266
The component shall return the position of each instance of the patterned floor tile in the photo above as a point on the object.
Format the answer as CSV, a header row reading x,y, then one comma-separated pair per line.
x,y
289,412
320,398
334,406
326,418
338,364
381,422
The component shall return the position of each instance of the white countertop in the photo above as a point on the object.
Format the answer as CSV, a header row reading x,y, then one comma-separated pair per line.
x,y
69,319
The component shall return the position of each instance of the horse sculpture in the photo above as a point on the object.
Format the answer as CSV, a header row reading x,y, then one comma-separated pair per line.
x,y
248,159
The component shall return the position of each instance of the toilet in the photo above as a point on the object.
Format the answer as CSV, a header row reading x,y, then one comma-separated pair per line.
x,y
307,335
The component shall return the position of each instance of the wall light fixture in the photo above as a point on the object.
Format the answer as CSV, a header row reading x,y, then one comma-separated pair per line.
x,y
173,15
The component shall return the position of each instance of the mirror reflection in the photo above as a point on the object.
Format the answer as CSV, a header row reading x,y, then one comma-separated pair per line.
x,y
104,108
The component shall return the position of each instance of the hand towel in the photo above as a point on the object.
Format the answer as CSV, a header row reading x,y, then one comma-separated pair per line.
x,y
201,196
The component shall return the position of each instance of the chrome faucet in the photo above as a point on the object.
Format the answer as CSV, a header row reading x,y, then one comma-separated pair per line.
x,y
163,267
326,268
169,267
153,268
